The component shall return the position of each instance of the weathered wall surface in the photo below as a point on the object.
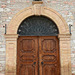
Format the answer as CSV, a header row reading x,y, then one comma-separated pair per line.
x,y
8,8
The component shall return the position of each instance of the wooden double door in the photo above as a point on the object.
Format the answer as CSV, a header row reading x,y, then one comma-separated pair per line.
x,y
38,55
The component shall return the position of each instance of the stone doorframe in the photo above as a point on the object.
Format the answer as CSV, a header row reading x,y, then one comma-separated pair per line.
x,y
11,37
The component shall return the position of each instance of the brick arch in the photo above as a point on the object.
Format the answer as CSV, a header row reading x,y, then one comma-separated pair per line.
x,y
37,10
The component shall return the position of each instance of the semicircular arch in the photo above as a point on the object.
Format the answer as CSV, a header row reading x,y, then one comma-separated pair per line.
x,y
41,10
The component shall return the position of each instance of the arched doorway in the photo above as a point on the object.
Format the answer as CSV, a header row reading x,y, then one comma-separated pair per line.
x,y
38,47
12,36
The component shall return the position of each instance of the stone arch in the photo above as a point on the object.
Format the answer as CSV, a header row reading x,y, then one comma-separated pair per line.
x,y
11,37
37,10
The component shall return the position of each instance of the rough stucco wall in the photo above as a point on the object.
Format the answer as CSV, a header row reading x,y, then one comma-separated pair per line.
x,y
8,8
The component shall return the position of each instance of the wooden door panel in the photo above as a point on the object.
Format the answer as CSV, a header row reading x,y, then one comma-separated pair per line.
x,y
48,45
38,56
27,56
28,45
27,70
49,56
49,70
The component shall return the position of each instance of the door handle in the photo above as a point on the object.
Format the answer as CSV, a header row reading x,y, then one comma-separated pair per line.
x,y
34,63
42,63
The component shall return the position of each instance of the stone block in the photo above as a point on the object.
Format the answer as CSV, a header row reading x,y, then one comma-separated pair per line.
x,y
1,10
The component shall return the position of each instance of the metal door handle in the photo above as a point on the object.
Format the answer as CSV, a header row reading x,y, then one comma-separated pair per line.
x,y
34,63
42,63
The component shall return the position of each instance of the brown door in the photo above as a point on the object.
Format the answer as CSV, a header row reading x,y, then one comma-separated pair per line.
x,y
38,56
49,56
27,56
